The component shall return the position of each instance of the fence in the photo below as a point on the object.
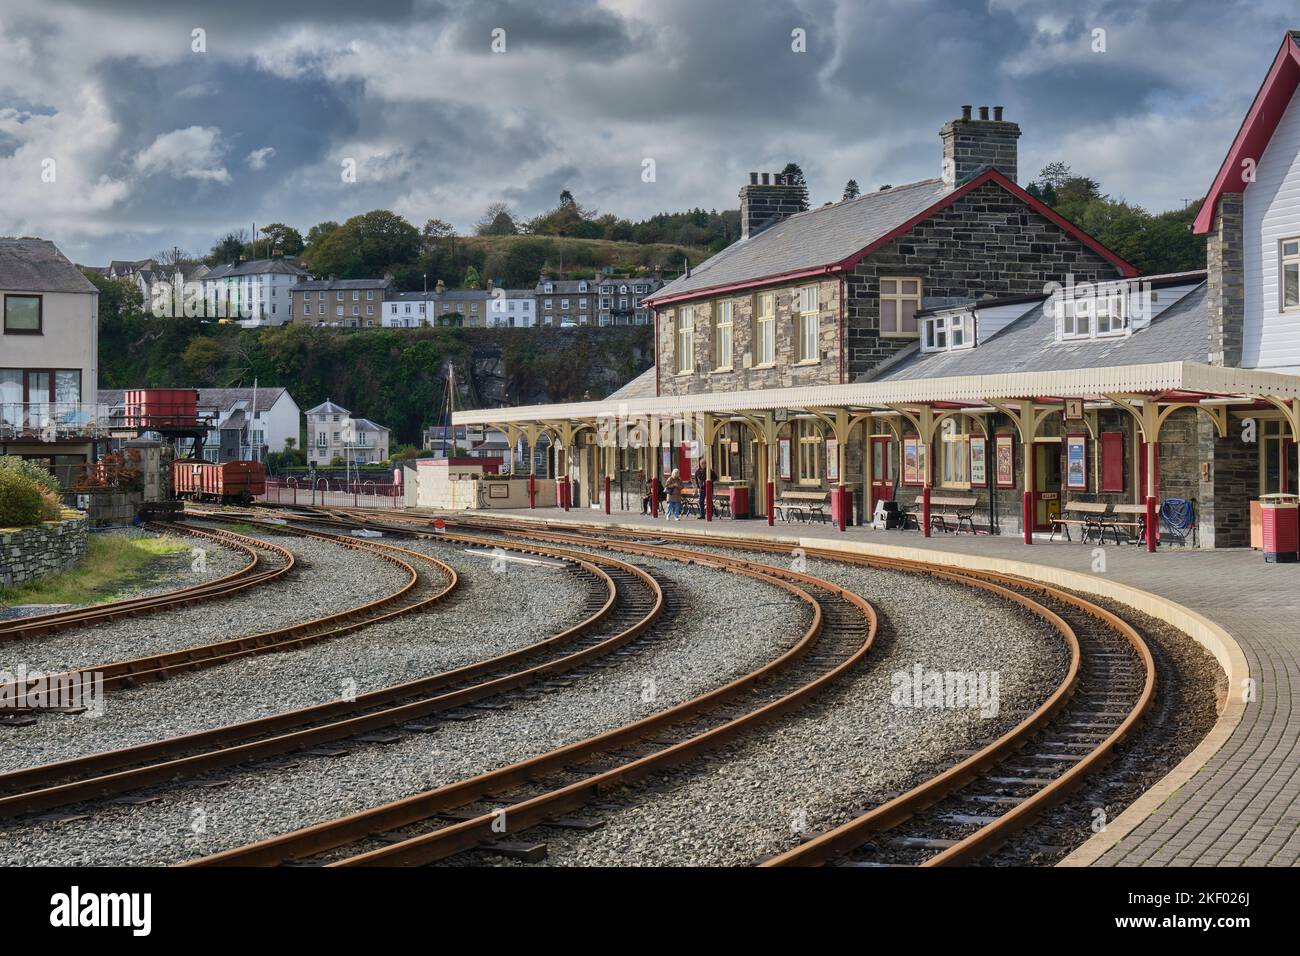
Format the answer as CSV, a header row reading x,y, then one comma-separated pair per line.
x,y
326,491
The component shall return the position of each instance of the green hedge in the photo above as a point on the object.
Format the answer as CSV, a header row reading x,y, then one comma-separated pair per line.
x,y
21,500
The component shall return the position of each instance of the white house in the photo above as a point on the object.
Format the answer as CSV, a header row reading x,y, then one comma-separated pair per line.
x,y
255,293
512,309
49,364
332,432
458,307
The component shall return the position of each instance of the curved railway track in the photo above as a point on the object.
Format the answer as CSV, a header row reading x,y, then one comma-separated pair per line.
x,y
624,602
968,810
257,570
424,587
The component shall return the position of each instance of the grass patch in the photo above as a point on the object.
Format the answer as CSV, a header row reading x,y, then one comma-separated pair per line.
x,y
113,563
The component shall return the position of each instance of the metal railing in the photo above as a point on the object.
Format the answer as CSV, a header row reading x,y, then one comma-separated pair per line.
x,y
52,421
323,491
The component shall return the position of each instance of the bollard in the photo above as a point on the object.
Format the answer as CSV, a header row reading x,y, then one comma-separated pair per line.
x,y
708,499
1027,517
842,504
654,497
532,491
607,494
1152,528
925,511
771,503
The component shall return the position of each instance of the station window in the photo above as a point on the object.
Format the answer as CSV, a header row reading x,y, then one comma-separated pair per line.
x,y
947,331
686,339
1290,275
723,327
809,434
956,453
900,300
808,351
765,330
1095,315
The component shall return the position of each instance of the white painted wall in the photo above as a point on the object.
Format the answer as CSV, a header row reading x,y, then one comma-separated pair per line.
x,y
1270,213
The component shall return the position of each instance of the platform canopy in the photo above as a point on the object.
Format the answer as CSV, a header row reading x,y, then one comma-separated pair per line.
x,y
1170,383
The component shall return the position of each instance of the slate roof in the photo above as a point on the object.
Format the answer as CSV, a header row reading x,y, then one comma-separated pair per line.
x,y
1178,334
35,265
365,424
328,408
256,267
338,285
818,237
643,386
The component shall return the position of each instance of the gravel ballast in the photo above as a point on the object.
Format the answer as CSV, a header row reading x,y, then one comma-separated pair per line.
x,y
482,618
717,634
325,579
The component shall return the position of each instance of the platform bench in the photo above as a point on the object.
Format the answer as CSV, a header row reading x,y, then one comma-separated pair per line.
x,y
944,509
1088,515
803,506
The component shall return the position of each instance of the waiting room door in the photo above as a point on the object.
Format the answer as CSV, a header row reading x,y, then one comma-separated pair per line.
x,y
1047,484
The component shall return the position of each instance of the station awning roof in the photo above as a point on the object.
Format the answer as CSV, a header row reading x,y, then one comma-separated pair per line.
x,y
1157,379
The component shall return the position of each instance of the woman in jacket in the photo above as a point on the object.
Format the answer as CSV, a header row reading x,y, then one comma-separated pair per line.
x,y
674,488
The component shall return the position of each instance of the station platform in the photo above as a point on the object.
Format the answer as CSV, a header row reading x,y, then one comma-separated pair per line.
x,y
1235,800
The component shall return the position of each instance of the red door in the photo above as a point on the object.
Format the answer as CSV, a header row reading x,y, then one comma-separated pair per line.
x,y
884,468
684,461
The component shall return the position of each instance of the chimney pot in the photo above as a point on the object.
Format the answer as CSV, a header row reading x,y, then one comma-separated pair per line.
x,y
965,112
766,177
984,112
997,113
753,179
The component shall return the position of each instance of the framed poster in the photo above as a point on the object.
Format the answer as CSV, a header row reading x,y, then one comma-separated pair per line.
x,y
832,460
783,458
979,474
668,460
1076,462
914,461
1004,461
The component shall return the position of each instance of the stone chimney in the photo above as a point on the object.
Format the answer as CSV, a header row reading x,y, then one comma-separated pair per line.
x,y
971,145
1225,284
766,200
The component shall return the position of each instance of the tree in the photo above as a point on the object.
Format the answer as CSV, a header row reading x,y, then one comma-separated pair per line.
x,y
370,245
286,240
566,198
202,357
319,231
472,280
794,177
851,190
497,220
228,248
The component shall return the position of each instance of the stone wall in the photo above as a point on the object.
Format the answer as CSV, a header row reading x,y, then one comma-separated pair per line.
x,y
987,242
1225,294
30,553
114,509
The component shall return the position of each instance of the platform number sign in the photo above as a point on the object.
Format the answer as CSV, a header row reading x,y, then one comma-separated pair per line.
x,y
1074,409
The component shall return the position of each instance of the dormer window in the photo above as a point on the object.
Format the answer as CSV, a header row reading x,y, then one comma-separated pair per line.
x,y
548,288
948,331
1092,315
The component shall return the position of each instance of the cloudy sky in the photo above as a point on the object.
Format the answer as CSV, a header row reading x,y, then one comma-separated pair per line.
x,y
162,136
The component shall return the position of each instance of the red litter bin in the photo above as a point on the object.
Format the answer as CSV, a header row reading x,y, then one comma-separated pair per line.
x,y
1280,517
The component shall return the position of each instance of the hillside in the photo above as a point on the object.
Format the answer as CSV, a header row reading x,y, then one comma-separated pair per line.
x,y
394,376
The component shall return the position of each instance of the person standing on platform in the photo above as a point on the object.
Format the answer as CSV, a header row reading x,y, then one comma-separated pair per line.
x,y
674,488
700,476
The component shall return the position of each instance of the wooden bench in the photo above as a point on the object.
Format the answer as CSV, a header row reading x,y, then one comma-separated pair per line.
x,y
944,508
803,506
1137,522
1088,515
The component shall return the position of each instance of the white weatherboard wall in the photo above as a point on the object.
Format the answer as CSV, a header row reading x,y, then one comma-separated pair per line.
x,y
1271,213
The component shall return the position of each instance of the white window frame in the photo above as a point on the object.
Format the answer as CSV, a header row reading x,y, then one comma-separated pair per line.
x,y
954,458
809,350
724,326
898,297
765,329
940,333
1081,317
1286,260
684,331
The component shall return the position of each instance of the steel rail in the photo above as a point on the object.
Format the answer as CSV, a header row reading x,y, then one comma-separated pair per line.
x,y
47,785
468,833
250,575
153,667
842,839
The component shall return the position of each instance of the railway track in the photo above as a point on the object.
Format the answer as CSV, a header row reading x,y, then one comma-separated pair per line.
x,y
968,810
624,601
256,571
432,582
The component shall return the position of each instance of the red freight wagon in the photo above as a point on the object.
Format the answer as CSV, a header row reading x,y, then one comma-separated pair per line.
x,y
161,407
234,482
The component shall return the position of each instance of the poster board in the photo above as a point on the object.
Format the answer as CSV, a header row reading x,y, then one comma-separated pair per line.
x,y
832,460
1076,462
1004,461
979,472
914,461
783,458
